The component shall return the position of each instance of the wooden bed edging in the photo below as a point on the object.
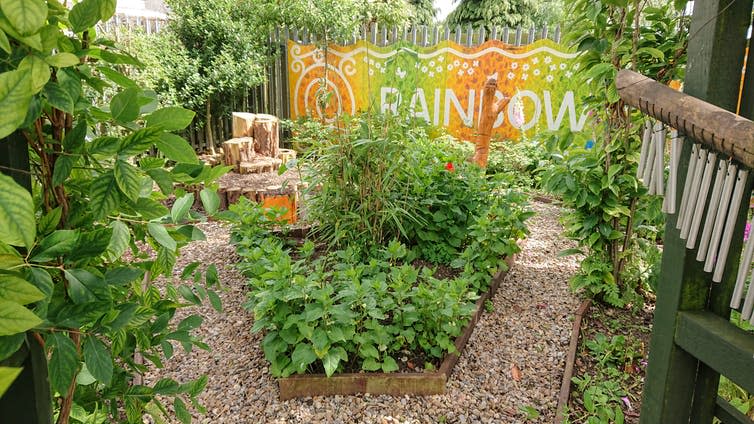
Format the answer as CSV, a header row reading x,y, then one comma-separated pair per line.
x,y
395,384
565,385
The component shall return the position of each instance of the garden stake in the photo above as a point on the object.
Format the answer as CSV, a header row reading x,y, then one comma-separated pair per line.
x,y
730,222
687,186
714,202
701,162
743,271
701,200
720,217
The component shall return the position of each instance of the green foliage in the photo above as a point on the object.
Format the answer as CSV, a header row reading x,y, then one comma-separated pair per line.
x,y
423,12
80,253
510,13
523,160
613,218
333,310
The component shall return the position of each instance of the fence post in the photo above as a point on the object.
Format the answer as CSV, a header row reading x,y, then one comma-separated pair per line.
x,y
556,38
518,36
493,36
532,34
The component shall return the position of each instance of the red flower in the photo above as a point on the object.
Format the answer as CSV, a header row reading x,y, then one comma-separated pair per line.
x,y
449,166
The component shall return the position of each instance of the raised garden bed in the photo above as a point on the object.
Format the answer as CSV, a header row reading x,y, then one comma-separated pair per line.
x,y
396,384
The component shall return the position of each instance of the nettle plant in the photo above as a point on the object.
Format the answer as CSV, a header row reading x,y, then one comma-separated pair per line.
x,y
80,251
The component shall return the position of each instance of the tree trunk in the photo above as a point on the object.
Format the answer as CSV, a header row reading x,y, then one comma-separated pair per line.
x,y
266,139
490,110
243,124
208,128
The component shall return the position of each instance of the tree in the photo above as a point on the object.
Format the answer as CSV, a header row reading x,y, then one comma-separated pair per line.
x,y
210,51
510,13
80,251
424,12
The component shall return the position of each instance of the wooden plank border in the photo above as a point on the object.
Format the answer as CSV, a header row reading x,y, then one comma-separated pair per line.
x,y
395,384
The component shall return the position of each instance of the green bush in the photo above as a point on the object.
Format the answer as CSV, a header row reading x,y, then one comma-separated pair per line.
x,y
523,160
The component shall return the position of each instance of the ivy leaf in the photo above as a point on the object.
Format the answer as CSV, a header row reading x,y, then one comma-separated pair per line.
x,y
58,243
127,178
210,201
84,15
64,361
172,118
118,241
26,16
302,356
104,195
14,318
124,107
161,236
181,207
15,95
62,60
15,289
176,148
38,69
17,226
98,360
7,376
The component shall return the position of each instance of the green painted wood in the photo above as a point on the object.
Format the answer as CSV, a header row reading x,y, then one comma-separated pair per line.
x,y
724,347
14,159
28,400
728,414
677,389
747,96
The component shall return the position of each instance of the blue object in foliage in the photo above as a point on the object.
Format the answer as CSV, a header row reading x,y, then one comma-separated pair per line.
x,y
589,144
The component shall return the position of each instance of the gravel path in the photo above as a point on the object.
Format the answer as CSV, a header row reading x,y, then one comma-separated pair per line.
x,y
514,359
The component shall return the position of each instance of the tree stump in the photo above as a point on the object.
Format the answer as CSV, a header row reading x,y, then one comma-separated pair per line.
x,y
238,150
286,154
243,124
266,138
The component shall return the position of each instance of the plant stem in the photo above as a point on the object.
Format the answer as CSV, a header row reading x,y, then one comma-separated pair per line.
x,y
65,408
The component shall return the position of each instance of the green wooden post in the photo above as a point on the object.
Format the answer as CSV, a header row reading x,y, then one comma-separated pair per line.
x,y
679,389
28,399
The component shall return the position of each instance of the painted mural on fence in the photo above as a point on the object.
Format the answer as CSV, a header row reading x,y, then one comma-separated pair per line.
x,y
441,84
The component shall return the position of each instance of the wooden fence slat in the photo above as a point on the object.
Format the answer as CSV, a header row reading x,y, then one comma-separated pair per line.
x,y
493,36
518,37
532,34
435,35
458,34
556,38
482,35
469,36
446,34
505,35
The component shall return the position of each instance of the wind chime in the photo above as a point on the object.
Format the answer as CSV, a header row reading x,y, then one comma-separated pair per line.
x,y
710,233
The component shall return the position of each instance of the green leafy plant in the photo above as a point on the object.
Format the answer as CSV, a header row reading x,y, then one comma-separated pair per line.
x,y
83,230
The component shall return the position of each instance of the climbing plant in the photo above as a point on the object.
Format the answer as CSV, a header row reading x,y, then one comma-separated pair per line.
x,y
80,252
610,209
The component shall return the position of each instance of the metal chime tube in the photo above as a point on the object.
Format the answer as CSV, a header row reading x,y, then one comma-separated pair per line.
x,y
696,183
701,199
720,218
743,271
714,202
644,149
730,222
649,165
659,177
676,144
687,186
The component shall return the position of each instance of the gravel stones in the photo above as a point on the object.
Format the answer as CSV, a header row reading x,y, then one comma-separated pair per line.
x,y
529,328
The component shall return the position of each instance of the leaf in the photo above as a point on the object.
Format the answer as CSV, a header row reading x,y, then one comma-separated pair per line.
x,y
90,245
163,180
176,148
10,344
17,226
389,364
7,376
150,209
210,201
58,97
15,318
161,236
63,168
82,285
15,289
172,118
75,138
215,301
15,95
181,207
515,372
123,275
127,178
41,280
124,107
58,243
63,363
330,362
302,356
104,195
38,69
118,241
138,141
84,15
4,42
106,9
62,60
210,276
98,359
117,77
26,16
191,322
